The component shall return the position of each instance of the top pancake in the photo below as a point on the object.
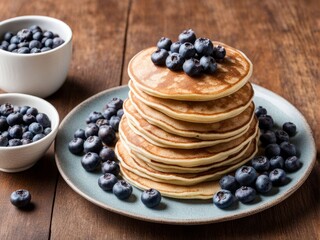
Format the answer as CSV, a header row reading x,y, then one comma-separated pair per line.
x,y
232,73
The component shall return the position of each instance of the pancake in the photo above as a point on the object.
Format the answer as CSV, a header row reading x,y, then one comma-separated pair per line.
x,y
199,112
205,131
164,139
185,157
233,72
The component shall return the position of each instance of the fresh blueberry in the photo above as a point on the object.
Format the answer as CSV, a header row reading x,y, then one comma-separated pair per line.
x,y
268,137
265,122
80,133
290,128
263,184
281,136
94,116
187,36
260,163
76,146
292,164
245,194
23,109
107,153
175,47
15,131
14,118
23,50
114,122
272,150
35,28
24,35
151,198
47,130
223,198
122,189
3,123
34,44
43,119
174,62
91,130
48,43
187,50
5,134
48,34
6,109
90,161
115,103
276,162
3,47
110,167
57,41
27,135
15,40
33,111
107,181
218,52
120,113
3,141
7,36
288,149
203,46
278,177
107,134
23,45
159,57
192,67
5,43
43,40
45,49
109,112
101,122
37,137
164,43
28,119
35,128
12,47
92,144
229,182
37,36
246,175
26,141
208,64
15,142
20,198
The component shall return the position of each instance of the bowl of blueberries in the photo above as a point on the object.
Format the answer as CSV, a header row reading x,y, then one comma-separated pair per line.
x,y
28,126
35,54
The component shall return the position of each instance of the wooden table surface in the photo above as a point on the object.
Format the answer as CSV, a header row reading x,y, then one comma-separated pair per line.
x,y
280,37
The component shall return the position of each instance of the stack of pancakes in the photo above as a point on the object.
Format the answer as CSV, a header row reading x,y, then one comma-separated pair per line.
x,y
180,134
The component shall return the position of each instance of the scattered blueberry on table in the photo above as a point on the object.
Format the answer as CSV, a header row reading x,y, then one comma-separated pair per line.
x,y
151,198
20,198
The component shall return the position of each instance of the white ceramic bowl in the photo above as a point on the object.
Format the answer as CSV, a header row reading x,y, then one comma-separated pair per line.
x,y
39,74
19,158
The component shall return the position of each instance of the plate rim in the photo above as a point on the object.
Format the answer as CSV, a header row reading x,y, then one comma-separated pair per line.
x,y
258,209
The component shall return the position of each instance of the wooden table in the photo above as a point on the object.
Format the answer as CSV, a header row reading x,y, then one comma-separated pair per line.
x,y
280,37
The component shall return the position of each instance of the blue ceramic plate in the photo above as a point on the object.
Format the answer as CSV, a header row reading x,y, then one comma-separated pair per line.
x,y
171,210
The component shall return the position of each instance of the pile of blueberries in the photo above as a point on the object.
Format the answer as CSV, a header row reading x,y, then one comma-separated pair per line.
x,y
193,55
22,125
95,143
30,40
266,171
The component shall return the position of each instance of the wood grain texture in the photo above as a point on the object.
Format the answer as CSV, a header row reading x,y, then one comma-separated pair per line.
x,y
280,37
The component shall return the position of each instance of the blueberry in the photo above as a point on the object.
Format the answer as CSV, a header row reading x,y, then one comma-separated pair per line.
x,y
47,130
229,182
109,112
192,67
159,57
122,189
45,49
114,122
260,163
2,47
278,177
107,153
218,52
107,181
91,130
110,167
14,118
6,109
101,122
37,36
27,135
174,62
38,136
245,194
246,175
35,128
3,141
187,50
203,46
34,44
292,164
115,103
288,149
94,116
268,137
290,128
92,144
12,47
43,40
3,123
23,50
28,119
151,198
15,131
164,43
20,198
26,141
187,36
48,43
48,34
263,184
5,43
175,47
23,109
15,142
120,113
43,119
35,28
276,162
272,150
281,136
15,40
90,161
5,134
24,35
33,111
7,36
208,64
57,41
265,122
80,133
76,146
107,134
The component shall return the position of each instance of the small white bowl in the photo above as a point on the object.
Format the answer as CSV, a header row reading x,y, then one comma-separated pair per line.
x,y
19,158
39,74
